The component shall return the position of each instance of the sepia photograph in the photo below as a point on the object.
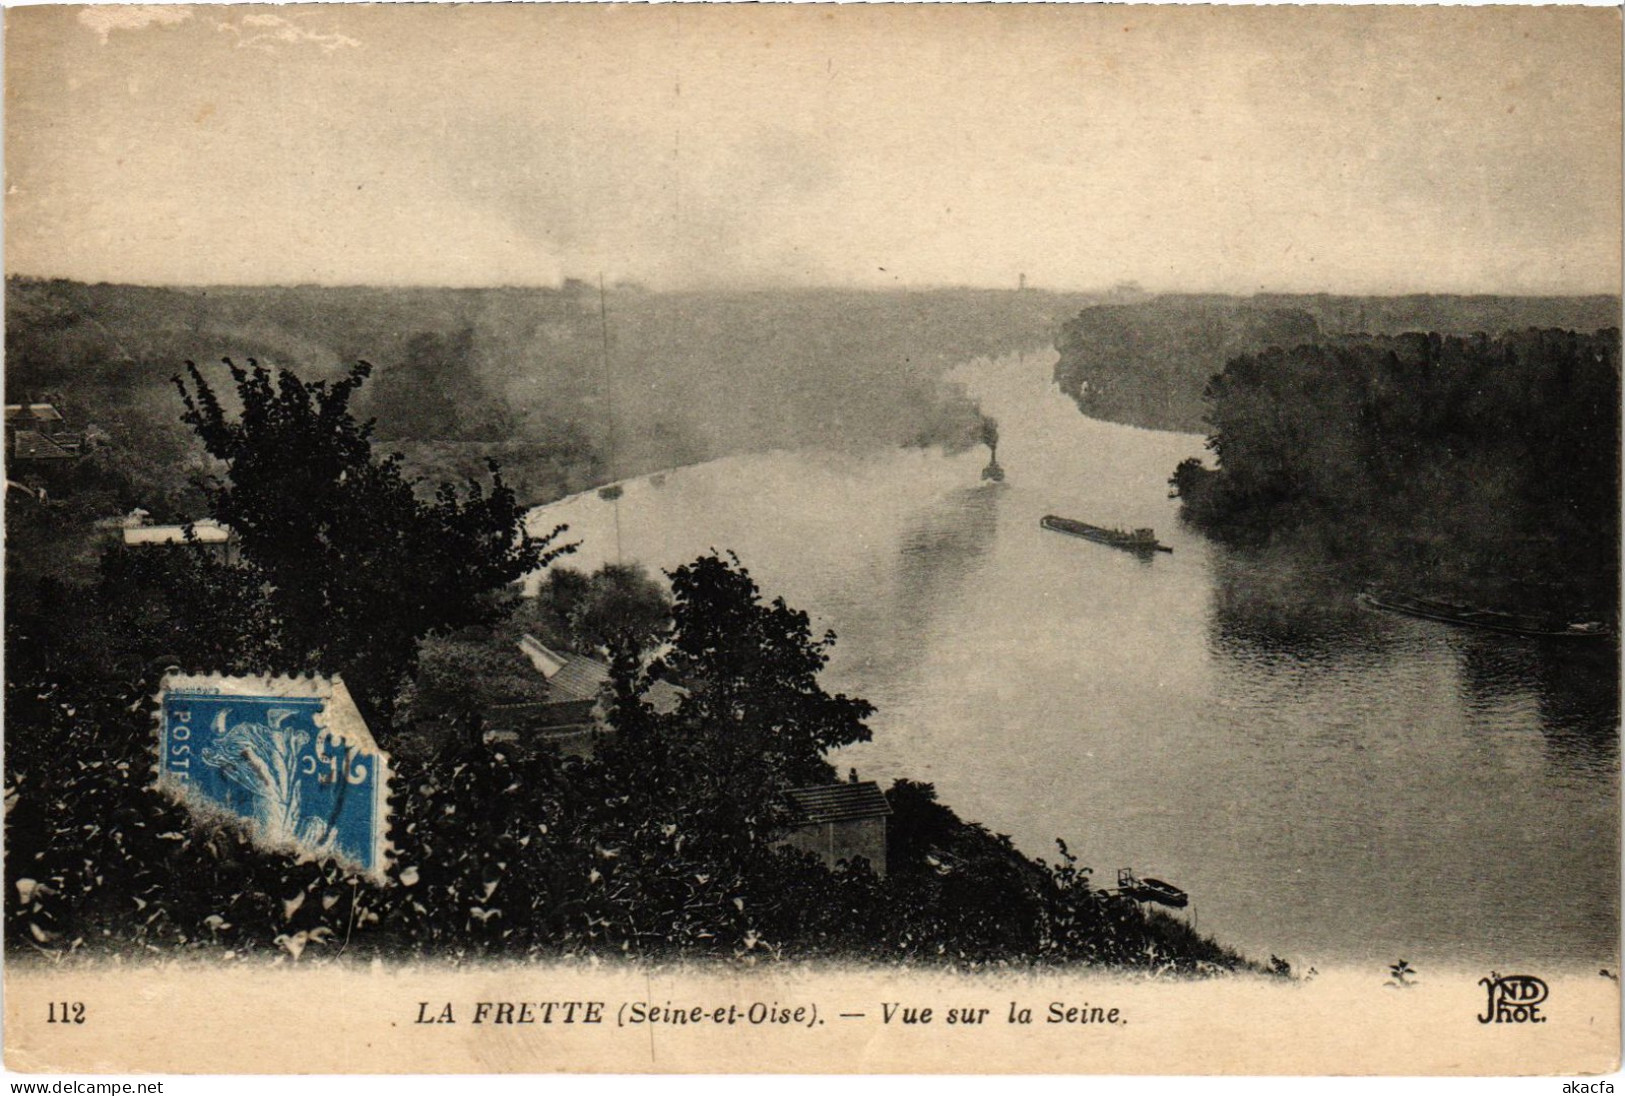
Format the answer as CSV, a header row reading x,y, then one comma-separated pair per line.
x,y
810,538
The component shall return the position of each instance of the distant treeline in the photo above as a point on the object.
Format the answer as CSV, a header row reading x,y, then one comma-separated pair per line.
x,y
1147,363
520,374
1484,466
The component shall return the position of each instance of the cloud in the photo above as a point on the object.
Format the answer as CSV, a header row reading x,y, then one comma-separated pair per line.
x,y
267,32
106,18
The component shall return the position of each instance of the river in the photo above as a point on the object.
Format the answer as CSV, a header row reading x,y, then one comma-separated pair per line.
x,y
1330,785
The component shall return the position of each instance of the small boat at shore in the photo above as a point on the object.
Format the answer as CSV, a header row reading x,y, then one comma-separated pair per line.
x,y
1466,616
1138,540
1150,890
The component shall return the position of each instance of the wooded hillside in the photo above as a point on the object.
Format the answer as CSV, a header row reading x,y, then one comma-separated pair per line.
x,y
1147,363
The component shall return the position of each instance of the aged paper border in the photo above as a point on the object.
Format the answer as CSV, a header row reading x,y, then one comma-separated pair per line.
x,y
239,1020
1344,1021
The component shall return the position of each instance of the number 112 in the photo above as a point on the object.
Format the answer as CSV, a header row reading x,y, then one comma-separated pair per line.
x,y
65,1012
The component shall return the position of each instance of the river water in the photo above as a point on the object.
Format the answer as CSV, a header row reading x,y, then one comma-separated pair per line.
x,y
1330,785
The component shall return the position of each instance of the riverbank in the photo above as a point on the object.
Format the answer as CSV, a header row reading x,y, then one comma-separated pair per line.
x,y
1475,470
1328,784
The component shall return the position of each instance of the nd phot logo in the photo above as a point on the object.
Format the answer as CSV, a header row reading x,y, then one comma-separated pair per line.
x,y
1513,999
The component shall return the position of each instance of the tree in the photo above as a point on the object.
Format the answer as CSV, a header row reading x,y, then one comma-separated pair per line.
x,y
356,566
438,392
752,672
623,610
1145,363
618,608
1486,468
754,720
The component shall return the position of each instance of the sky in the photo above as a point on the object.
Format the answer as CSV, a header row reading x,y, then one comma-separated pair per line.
x,y
1370,150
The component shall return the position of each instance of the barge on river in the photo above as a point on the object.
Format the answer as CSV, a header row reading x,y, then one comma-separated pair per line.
x,y
1466,616
1140,540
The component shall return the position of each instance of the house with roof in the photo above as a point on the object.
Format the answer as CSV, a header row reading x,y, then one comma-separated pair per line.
x,y
575,706
37,432
207,535
839,822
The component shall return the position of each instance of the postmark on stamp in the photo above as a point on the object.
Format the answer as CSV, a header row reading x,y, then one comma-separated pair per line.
x,y
290,758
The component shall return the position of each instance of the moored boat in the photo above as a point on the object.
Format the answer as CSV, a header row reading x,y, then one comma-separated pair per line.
x,y
1138,540
1467,616
1150,890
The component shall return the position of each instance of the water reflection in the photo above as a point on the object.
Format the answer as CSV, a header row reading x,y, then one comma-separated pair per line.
x,y
1272,608
1274,614
1329,783
938,550
885,619
1571,691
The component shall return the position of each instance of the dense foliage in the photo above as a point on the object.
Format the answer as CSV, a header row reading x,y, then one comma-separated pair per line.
x,y
1148,362
1479,465
1135,363
617,608
355,567
668,841
523,853
437,393
753,719
518,374
751,671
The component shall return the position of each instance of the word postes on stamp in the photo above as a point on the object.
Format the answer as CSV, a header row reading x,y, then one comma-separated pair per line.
x,y
292,758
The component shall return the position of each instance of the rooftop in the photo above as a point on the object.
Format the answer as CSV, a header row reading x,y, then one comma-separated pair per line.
x,y
37,410
33,445
838,802
534,717
208,531
569,677
664,697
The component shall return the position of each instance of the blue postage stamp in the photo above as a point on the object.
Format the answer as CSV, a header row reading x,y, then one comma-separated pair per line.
x,y
291,758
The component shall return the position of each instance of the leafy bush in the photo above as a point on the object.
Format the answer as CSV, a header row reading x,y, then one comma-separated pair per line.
x,y
528,854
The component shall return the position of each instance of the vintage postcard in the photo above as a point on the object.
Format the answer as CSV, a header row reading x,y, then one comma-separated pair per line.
x,y
812,539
